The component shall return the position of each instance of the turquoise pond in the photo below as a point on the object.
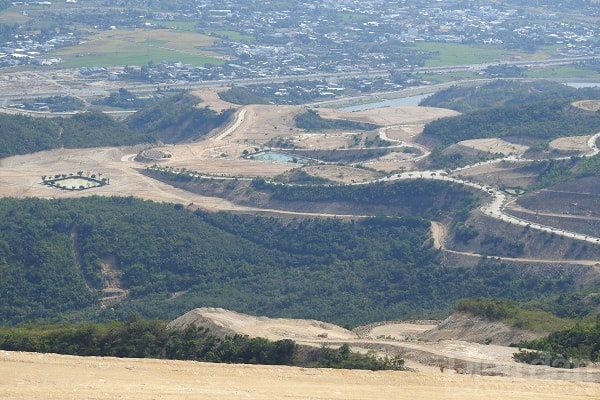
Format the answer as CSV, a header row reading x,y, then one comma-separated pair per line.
x,y
279,157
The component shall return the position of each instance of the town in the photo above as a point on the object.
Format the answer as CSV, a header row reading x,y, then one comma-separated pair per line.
x,y
298,38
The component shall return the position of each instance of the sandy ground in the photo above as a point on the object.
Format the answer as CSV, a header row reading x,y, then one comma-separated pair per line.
x,y
494,145
391,116
438,231
589,105
50,377
573,143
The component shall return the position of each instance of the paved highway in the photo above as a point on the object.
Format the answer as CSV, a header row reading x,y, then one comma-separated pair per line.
x,y
87,88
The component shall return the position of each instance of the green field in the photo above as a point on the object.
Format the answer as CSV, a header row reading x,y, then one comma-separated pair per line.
x,y
448,77
181,26
230,35
460,54
138,47
13,16
564,72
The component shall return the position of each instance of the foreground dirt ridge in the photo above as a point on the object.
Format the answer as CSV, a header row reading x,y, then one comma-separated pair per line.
x,y
54,377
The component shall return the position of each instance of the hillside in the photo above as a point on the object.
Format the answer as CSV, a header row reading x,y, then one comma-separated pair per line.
x,y
104,258
423,344
471,328
505,92
470,343
109,257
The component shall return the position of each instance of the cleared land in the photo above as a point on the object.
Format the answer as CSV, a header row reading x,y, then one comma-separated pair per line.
x,y
589,105
425,345
48,376
494,145
218,155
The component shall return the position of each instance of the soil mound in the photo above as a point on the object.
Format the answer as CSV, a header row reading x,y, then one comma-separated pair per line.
x,y
226,322
471,328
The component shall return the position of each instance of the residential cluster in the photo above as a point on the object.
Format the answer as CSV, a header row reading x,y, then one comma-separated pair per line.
x,y
327,36
33,49
353,35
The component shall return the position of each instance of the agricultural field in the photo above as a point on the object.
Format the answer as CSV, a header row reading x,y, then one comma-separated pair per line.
x,y
449,54
138,47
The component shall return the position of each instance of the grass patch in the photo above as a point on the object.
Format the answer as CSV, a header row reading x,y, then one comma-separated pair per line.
x,y
180,26
564,72
449,77
230,35
352,17
538,321
12,16
513,314
138,47
460,54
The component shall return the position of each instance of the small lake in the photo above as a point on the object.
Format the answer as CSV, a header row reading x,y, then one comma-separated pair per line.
x,y
415,100
579,85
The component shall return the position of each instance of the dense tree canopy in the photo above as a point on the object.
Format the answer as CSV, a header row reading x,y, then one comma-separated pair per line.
x,y
581,343
539,121
501,92
20,134
54,255
177,118
174,119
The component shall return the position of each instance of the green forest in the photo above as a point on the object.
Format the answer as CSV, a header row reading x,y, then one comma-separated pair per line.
x,y
541,121
52,254
502,92
177,118
173,119
569,347
20,134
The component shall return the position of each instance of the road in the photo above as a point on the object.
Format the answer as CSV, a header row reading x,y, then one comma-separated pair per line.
x,y
52,84
495,208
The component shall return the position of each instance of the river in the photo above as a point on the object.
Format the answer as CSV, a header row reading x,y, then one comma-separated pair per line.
x,y
401,101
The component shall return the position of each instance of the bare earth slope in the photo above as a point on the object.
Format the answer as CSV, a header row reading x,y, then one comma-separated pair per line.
x,y
231,322
476,329
424,345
